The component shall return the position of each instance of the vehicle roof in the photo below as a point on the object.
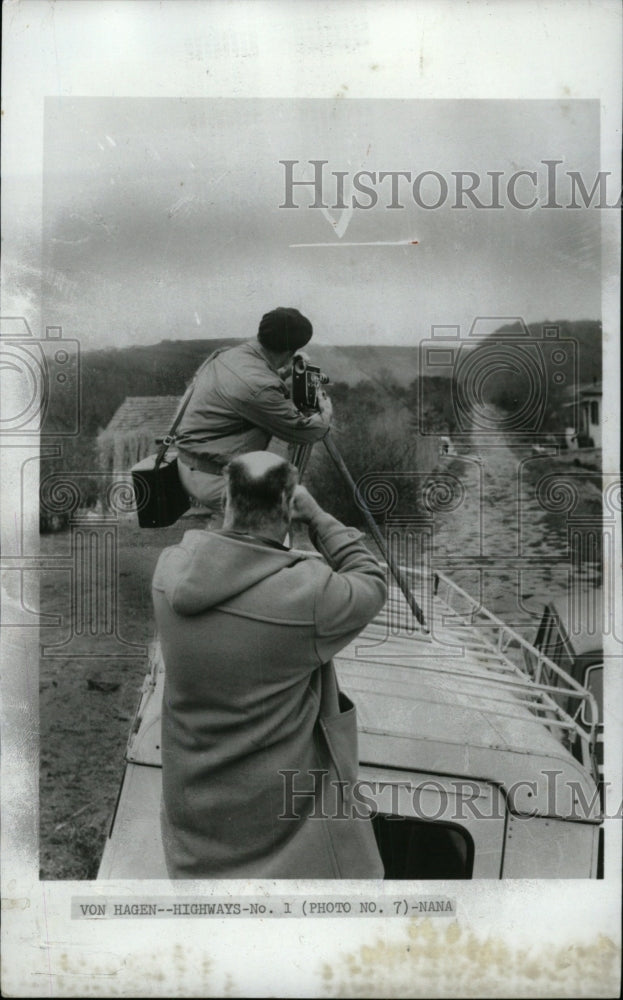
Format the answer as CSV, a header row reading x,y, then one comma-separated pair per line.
x,y
422,707
428,705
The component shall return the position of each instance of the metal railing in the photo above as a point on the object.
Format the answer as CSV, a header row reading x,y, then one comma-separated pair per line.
x,y
499,658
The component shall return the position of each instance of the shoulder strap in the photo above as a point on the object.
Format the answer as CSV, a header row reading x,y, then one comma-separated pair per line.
x,y
168,439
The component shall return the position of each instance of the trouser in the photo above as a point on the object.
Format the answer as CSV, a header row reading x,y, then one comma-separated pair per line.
x,y
204,487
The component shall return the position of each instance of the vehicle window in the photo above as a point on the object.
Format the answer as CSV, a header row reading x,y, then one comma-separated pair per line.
x,y
549,638
539,642
416,849
544,634
558,651
594,681
552,641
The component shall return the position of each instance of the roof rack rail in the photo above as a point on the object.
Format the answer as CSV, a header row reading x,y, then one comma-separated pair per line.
x,y
521,673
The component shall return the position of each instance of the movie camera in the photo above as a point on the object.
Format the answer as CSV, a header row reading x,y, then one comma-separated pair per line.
x,y
307,379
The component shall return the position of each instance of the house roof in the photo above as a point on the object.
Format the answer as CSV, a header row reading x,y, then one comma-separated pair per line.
x,y
590,389
154,413
575,393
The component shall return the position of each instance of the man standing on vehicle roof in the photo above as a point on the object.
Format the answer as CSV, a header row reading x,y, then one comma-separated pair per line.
x,y
241,400
259,747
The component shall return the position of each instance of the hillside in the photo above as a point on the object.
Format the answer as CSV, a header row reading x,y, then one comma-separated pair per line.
x,y
529,370
580,342
582,338
164,369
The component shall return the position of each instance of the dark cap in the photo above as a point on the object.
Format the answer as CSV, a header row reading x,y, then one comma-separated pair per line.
x,y
284,329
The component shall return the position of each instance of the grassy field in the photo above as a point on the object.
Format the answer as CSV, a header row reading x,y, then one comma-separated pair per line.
x,y
87,703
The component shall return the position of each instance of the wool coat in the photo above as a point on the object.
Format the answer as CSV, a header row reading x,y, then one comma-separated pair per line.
x,y
259,748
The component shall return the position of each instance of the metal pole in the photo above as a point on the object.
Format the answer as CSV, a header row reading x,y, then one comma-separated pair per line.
x,y
300,457
394,568
304,459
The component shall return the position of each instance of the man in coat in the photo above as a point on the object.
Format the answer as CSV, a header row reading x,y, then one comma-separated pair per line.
x,y
259,748
240,401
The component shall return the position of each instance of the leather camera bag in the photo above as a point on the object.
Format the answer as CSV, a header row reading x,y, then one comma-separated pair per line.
x,y
160,497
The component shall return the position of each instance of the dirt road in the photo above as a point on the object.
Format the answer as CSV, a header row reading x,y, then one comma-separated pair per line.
x,y
512,537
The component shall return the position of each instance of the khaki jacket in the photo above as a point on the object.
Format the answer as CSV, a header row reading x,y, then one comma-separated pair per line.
x,y
238,404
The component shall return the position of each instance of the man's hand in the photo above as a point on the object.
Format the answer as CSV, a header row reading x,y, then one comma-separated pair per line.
x,y
303,506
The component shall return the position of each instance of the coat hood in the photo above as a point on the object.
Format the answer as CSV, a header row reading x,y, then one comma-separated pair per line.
x,y
208,568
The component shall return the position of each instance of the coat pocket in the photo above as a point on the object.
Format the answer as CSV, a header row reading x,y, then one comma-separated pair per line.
x,y
352,838
340,732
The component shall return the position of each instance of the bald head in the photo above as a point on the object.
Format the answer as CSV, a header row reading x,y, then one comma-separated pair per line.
x,y
256,464
259,490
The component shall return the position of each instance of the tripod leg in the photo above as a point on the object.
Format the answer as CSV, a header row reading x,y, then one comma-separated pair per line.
x,y
394,568
294,453
304,460
300,457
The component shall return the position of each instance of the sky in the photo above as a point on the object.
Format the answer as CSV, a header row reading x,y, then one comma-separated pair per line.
x,y
162,217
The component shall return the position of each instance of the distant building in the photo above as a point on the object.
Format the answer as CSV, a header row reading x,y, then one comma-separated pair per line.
x,y
590,414
135,431
587,408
